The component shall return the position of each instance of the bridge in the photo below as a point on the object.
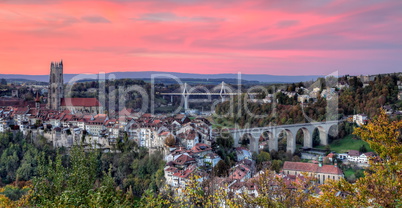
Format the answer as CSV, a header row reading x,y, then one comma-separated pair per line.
x,y
272,134
225,91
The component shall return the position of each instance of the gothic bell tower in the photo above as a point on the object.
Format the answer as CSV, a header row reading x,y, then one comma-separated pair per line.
x,y
56,87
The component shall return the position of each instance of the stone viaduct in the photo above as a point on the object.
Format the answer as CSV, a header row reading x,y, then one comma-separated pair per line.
x,y
273,132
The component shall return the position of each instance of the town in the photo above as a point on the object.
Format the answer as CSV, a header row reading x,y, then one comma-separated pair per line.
x,y
189,143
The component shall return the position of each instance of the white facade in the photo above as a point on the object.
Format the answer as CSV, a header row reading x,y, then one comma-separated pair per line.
x,y
359,119
362,158
94,129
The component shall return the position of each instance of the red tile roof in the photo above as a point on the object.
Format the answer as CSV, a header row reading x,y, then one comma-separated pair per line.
x,y
171,169
185,173
239,172
370,154
183,159
310,167
330,169
201,147
85,102
331,155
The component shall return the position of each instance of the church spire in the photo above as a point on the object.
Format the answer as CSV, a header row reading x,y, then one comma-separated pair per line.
x,y
56,85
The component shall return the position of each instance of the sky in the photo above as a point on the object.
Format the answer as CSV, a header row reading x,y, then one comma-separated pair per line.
x,y
277,37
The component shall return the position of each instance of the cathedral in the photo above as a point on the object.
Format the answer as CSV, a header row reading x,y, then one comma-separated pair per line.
x,y
56,87
56,99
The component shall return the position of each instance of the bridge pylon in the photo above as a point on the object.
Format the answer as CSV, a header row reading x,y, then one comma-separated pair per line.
x,y
223,92
186,96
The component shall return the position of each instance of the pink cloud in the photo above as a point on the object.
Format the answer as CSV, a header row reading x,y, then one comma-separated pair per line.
x,y
201,36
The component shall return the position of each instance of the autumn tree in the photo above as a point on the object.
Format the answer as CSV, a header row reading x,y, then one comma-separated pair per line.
x,y
382,184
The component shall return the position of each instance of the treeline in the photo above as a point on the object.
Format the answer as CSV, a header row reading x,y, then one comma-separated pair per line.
x,y
62,174
382,91
19,156
255,114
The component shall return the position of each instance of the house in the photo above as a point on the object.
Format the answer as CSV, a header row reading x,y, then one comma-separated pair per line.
x,y
320,171
183,160
212,159
20,115
191,139
240,172
263,145
242,153
303,98
343,156
353,156
342,85
169,172
181,177
356,156
360,119
3,126
95,125
201,149
331,156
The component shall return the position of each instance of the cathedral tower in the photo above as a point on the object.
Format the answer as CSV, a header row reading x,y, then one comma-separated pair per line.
x,y
56,87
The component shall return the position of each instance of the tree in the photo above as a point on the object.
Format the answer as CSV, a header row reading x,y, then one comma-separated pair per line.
x,y
276,165
277,192
316,137
221,169
77,184
261,158
170,140
363,149
3,81
327,149
225,140
382,184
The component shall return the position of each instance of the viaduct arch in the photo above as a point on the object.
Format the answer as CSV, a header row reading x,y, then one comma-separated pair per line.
x,y
290,130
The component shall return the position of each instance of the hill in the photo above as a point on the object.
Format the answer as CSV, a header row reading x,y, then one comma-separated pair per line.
x,y
147,75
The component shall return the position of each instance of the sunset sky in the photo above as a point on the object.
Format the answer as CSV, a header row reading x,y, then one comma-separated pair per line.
x,y
287,37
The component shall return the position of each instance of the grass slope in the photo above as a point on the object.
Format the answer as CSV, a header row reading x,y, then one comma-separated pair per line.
x,y
346,144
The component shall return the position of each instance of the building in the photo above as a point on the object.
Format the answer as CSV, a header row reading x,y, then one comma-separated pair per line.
x,y
211,159
56,87
242,153
95,125
321,172
81,105
360,119
240,172
356,156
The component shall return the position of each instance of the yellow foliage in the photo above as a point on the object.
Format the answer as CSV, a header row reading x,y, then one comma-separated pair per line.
x,y
22,202
382,184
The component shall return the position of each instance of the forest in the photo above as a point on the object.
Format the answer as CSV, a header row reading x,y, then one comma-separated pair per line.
x,y
28,165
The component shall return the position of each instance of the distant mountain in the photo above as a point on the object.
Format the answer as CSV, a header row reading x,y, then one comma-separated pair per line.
x,y
148,74
22,81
